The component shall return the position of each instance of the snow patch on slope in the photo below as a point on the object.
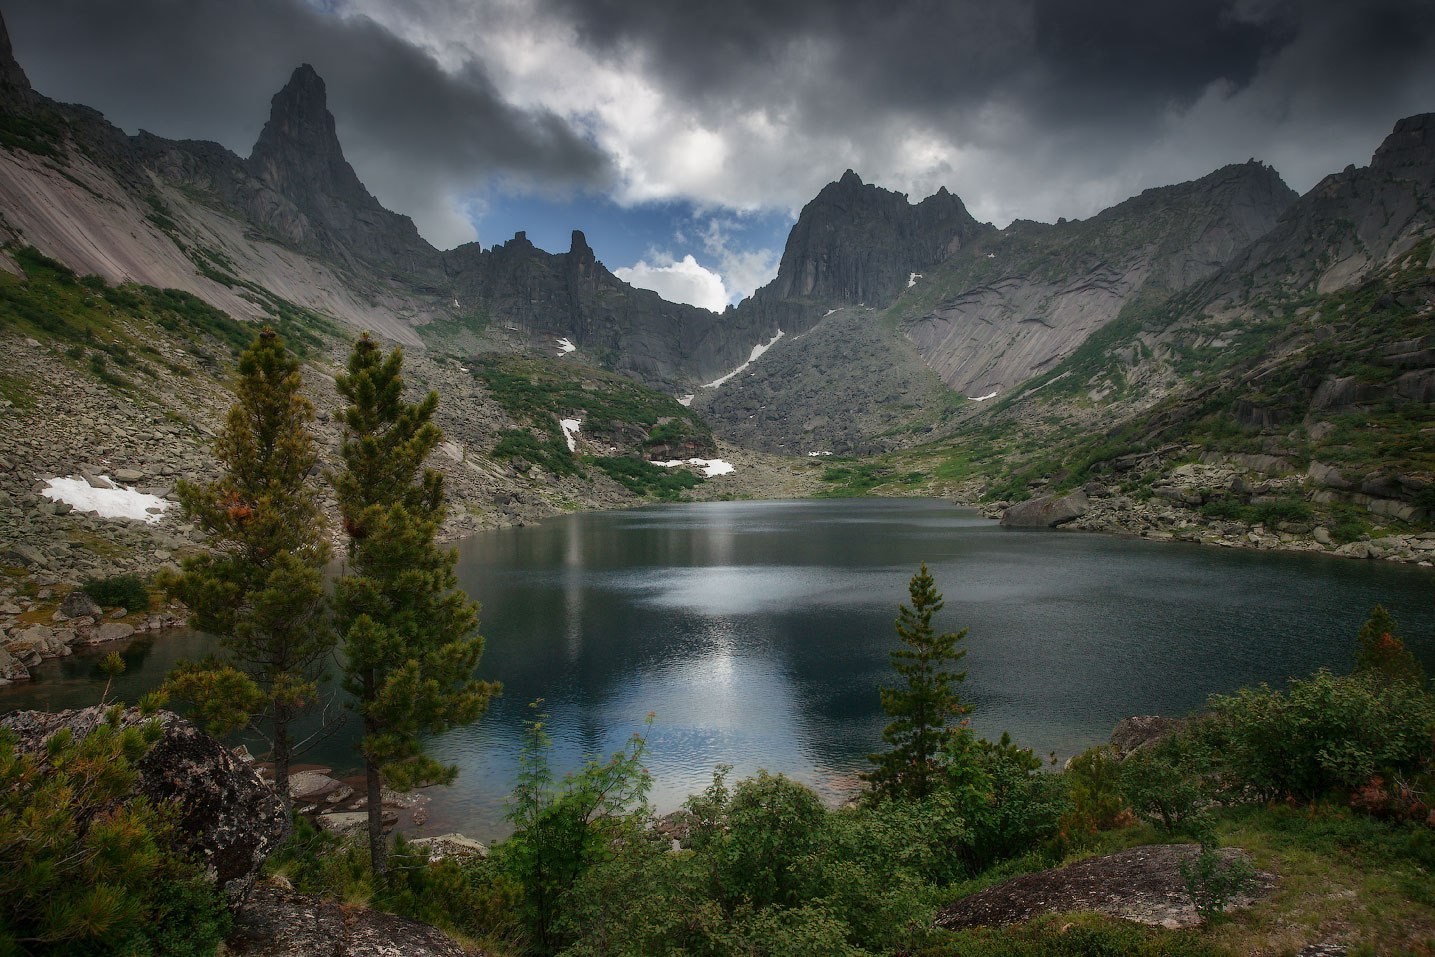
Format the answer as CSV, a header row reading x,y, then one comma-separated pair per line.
x,y
757,352
118,502
710,467
571,428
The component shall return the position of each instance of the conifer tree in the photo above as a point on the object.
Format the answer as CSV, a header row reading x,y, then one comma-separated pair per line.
x,y
1382,654
410,648
260,588
926,709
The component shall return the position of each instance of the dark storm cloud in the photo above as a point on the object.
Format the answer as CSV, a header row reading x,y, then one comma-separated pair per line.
x,y
418,136
1031,108
931,53
1097,68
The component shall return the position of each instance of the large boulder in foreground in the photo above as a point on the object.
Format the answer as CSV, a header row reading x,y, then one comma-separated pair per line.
x,y
1047,511
281,923
1143,884
229,817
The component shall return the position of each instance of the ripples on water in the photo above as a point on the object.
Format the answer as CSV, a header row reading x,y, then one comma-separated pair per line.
x,y
759,632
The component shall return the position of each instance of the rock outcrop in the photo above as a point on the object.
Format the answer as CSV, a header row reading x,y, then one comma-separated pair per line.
x,y
859,244
1143,884
1046,511
278,923
229,818
1141,731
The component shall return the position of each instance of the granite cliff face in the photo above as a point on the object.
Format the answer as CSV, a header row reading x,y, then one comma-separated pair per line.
x,y
982,309
314,199
1029,295
1348,227
541,297
858,244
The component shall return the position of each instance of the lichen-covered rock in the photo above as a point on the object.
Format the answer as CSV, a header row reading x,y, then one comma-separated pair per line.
x,y
78,604
1047,511
229,817
279,923
1143,884
1142,730
449,845
315,786
11,669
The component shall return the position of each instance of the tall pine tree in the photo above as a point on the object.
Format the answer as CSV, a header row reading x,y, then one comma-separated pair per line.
x,y
927,708
410,646
260,587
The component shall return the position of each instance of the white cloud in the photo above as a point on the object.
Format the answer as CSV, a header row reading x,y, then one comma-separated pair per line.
x,y
682,280
742,270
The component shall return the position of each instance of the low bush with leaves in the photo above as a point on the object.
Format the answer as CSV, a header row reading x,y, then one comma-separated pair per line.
x,y
1326,733
1214,880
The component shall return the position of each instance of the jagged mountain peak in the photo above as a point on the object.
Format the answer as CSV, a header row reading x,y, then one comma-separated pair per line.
x,y
579,247
325,206
859,243
298,150
14,84
1409,151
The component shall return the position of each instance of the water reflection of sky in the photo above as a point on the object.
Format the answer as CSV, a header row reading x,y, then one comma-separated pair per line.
x,y
759,632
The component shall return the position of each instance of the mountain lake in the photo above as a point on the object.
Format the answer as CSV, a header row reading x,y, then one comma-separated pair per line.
x,y
757,634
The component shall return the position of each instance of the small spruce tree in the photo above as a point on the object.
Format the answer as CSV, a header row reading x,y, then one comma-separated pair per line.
x,y
260,587
410,647
1382,655
927,708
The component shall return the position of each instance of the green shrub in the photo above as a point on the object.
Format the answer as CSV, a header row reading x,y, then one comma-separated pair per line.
x,y
1010,805
523,448
118,591
1213,881
564,830
1382,654
1162,783
1325,733
645,478
1097,802
84,867
754,837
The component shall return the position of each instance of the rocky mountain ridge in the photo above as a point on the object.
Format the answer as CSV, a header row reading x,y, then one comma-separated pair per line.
x,y
292,226
999,307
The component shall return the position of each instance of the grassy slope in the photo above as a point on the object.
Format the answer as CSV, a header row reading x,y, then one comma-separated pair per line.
x,y
1241,387
613,409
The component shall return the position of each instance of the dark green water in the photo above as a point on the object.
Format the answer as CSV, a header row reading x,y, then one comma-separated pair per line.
x,y
759,632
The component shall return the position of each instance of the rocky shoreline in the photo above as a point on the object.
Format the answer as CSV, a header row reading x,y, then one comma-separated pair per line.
x,y
62,422
1172,510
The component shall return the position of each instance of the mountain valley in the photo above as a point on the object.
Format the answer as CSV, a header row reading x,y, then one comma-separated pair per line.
x,y
1219,360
